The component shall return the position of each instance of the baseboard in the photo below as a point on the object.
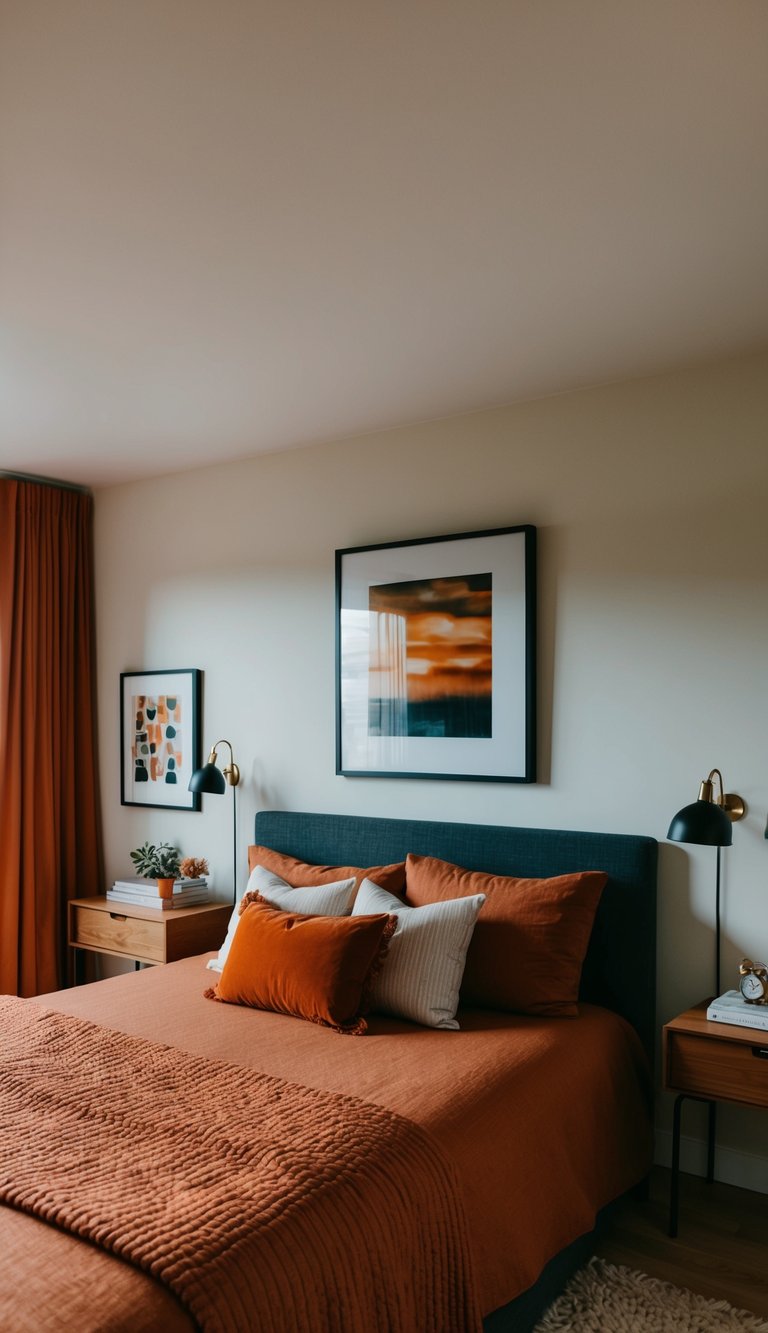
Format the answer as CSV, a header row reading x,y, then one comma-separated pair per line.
x,y
744,1169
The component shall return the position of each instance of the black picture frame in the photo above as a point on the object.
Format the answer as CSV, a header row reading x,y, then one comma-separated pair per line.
x,y
161,742
436,657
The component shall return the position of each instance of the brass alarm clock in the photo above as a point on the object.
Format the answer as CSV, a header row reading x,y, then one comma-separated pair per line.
x,y
753,982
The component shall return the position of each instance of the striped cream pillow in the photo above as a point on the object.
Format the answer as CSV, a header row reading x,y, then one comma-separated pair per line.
x,y
422,973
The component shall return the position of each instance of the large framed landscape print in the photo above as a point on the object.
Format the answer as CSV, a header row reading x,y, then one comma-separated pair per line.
x,y
159,738
435,657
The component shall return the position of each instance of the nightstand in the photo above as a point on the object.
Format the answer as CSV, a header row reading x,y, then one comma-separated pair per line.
x,y
710,1062
142,933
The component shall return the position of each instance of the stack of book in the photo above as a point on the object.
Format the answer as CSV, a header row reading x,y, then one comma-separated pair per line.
x,y
145,893
732,1008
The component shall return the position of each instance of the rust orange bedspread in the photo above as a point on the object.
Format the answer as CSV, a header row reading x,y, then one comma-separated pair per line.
x,y
543,1120
257,1202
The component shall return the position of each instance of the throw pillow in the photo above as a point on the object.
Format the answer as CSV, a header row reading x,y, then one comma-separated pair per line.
x,y
314,967
528,947
426,955
324,900
296,873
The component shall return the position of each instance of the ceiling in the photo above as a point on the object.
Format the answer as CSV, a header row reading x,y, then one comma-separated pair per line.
x,y
248,225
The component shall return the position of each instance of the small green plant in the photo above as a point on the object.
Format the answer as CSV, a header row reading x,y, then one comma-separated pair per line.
x,y
160,862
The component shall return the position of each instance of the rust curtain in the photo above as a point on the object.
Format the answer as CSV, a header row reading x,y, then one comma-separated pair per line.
x,y
50,834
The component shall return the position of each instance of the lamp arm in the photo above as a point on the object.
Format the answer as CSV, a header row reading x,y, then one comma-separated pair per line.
x,y
732,804
722,788
231,771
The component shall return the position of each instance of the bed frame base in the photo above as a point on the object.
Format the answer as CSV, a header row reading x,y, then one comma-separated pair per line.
x,y
523,1313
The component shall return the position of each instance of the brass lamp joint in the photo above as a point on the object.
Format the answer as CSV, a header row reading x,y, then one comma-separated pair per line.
x,y
732,804
231,771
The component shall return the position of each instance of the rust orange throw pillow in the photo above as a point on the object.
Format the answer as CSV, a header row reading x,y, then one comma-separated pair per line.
x,y
530,938
302,874
315,967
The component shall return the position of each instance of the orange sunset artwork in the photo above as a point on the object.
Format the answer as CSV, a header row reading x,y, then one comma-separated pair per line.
x,y
430,668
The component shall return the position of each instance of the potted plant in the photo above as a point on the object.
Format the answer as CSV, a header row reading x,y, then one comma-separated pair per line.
x,y
159,862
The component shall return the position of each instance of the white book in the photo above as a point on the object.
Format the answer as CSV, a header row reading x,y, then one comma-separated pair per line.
x,y
182,895
137,884
155,905
151,890
193,899
163,905
733,1008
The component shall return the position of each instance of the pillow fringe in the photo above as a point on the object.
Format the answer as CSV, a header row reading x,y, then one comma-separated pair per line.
x,y
377,964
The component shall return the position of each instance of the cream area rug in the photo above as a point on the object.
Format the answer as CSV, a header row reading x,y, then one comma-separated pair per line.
x,y
604,1298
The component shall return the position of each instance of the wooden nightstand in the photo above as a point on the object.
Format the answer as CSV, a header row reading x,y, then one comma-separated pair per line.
x,y
141,933
710,1062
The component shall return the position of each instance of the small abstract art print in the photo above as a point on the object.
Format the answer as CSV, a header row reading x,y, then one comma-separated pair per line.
x,y
159,738
435,658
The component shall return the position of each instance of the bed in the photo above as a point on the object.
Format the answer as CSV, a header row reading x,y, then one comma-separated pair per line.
x,y
476,1163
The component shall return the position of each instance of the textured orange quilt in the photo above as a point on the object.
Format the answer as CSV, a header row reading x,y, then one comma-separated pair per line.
x,y
543,1121
257,1202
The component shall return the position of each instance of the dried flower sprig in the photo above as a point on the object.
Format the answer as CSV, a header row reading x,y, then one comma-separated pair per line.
x,y
192,867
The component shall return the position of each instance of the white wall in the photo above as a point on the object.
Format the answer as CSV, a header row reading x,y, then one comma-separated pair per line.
x,y
651,500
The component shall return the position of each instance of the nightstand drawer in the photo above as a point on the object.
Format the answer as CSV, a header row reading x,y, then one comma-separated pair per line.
x,y
708,1067
113,932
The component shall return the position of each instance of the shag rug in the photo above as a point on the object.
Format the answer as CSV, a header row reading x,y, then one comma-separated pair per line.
x,y
604,1298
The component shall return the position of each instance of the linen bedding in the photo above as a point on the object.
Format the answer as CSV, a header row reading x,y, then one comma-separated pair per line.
x,y
536,1124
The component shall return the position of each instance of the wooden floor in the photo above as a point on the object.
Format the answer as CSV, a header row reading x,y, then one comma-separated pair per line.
x,y
721,1250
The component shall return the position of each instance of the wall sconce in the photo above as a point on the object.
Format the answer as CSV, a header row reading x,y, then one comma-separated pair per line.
x,y
708,822
213,780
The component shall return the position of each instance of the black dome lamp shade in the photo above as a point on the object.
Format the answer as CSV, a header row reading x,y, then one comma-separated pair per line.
x,y
208,779
214,781
708,822
702,822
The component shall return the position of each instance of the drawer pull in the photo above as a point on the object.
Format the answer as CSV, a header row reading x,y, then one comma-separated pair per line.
x,y
117,917
761,1052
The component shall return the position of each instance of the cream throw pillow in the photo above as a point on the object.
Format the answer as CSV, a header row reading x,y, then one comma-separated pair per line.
x,y
323,900
422,973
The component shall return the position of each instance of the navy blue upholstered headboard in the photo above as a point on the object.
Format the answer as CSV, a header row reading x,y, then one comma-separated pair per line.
x,y
620,968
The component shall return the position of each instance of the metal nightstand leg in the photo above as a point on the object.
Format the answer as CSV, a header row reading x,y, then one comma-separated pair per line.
x,y
674,1184
711,1126
78,966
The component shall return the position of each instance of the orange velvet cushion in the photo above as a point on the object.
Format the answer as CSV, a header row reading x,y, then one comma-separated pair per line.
x,y
315,967
530,938
301,874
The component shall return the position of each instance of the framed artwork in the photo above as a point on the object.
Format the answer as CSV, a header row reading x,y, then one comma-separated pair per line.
x,y
436,658
159,738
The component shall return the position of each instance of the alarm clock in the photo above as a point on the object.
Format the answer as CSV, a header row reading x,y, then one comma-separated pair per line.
x,y
753,982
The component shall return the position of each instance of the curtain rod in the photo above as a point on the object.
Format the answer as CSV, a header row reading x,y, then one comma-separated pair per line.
x,y
45,481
